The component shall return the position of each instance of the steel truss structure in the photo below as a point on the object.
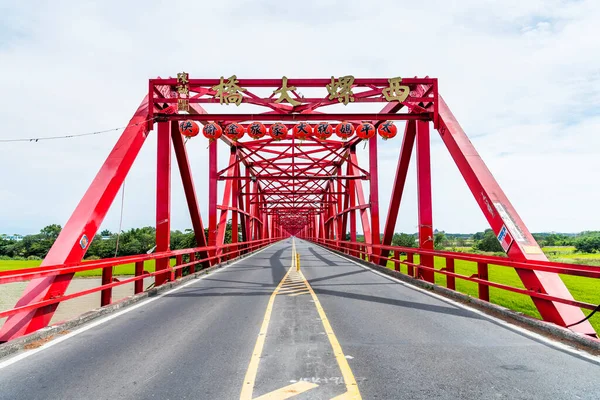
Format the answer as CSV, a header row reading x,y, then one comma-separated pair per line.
x,y
309,188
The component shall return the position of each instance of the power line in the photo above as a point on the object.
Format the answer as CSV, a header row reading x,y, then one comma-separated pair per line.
x,y
71,136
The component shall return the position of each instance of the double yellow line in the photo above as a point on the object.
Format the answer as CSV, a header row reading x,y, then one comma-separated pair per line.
x,y
294,389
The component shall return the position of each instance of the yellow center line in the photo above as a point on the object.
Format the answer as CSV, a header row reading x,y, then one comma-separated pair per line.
x,y
250,377
352,391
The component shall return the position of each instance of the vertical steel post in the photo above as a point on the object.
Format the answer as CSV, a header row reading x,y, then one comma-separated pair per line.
x,y
374,197
482,273
212,197
410,260
106,295
192,266
352,213
188,188
234,204
450,280
408,142
338,203
138,286
163,197
424,195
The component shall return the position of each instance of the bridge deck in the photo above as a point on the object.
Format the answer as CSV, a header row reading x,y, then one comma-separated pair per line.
x,y
198,341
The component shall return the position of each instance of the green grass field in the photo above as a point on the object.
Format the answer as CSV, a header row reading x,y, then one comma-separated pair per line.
x,y
125,269
583,289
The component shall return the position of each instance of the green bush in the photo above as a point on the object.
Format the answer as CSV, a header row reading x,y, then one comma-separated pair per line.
x,y
32,258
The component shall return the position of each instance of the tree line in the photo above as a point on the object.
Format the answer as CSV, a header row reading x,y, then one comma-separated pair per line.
x,y
131,242
141,240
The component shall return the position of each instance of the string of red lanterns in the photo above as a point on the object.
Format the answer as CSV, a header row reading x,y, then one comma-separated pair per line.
x,y
279,131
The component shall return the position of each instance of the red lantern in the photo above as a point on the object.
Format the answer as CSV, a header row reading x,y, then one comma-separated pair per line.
x,y
387,130
322,131
278,131
301,130
256,130
189,128
234,131
365,130
212,131
344,130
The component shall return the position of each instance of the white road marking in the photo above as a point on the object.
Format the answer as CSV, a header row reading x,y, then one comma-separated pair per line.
x,y
533,335
29,353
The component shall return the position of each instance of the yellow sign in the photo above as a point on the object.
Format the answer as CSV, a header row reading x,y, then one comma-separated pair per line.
x,y
183,78
341,89
284,93
229,92
183,102
396,91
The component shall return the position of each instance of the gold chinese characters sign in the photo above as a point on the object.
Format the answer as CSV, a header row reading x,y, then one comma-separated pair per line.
x,y
228,91
183,91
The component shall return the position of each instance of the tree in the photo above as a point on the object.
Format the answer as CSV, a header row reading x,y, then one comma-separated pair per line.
x,y
403,240
489,242
51,231
478,236
105,233
439,240
588,244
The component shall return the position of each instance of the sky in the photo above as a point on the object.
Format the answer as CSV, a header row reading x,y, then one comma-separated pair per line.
x,y
522,78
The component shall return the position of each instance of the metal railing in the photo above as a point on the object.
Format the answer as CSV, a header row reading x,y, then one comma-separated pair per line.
x,y
372,253
215,256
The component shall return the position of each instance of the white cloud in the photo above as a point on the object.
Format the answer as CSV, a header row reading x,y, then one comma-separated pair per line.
x,y
522,78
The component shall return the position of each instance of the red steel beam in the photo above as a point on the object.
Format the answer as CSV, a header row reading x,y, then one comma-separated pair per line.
x,y
163,198
426,116
189,189
226,202
424,198
361,202
500,213
212,196
374,196
408,142
85,221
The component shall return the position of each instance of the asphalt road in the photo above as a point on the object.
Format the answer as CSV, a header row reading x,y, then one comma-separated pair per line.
x,y
206,341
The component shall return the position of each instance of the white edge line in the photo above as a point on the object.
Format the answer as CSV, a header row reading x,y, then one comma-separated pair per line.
x,y
513,327
29,353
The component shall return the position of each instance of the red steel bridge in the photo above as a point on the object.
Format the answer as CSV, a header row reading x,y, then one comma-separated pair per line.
x,y
294,188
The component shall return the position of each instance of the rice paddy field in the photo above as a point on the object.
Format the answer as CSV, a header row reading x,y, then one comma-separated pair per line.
x,y
583,289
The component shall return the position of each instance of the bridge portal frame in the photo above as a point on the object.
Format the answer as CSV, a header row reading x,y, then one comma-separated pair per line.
x,y
322,201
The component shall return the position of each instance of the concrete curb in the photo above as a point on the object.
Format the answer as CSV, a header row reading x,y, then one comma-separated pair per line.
x,y
545,328
43,335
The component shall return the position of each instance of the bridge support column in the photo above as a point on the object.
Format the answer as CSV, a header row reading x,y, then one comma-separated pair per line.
x,y
212,197
424,195
398,189
163,198
374,197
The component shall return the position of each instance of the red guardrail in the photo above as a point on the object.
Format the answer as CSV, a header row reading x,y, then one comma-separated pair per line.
x,y
365,252
216,255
